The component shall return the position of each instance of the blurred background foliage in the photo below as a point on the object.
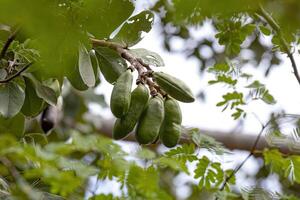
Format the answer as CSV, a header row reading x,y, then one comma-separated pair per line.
x,y
55,90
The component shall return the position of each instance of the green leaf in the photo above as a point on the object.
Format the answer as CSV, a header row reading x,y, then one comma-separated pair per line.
x,y
33,104
75,79
268,98
54,85
85,67
131,32
148,57
265,30
103,197
12,97
233,99
295,168
275,161
260,92
250,193
80,168
207,142
144,153
255,84
36,138
210,173
221,67
95,64
46,93
173,163
104,16
111,64
112,168
143,183
223,79
184,152
14,125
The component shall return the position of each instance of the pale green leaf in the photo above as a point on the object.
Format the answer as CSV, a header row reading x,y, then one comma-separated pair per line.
x,y
131,32
110,63
148,57
12,97
85,67
46,93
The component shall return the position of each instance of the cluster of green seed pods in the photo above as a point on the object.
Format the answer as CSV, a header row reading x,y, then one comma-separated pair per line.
x,y
153,117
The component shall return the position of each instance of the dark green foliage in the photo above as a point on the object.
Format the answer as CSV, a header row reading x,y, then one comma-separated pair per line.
x,y
50,42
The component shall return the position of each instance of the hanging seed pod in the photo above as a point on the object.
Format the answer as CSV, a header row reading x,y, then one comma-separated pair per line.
x,y
139,98
150,121
174,87
120,97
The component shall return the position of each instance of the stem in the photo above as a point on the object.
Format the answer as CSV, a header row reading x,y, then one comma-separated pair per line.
x,y
252,152
11,168
16,74
137,63
9,40
284,43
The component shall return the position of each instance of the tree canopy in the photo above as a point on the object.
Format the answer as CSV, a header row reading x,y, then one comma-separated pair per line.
x,y
53,56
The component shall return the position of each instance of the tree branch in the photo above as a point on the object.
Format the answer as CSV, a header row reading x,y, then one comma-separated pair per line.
x,y
16,74
11,168
143,69
231,140
284,43
246,159
9,40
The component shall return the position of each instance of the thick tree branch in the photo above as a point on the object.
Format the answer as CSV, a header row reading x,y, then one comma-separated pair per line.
x,y
231,140
285,45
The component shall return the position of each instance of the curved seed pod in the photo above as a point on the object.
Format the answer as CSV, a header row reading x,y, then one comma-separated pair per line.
x,y
120,96
171,128
172,111
138,102
174,87
150,121
170,134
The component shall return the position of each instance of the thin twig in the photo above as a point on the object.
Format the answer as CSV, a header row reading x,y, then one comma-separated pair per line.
x,y
16,74
276,28
9,40
252,152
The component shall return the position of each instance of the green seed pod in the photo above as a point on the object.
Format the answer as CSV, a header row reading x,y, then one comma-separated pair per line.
x,y
111,64
120,96
139,98
172,111
174,87
170,134
150,121
171,128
